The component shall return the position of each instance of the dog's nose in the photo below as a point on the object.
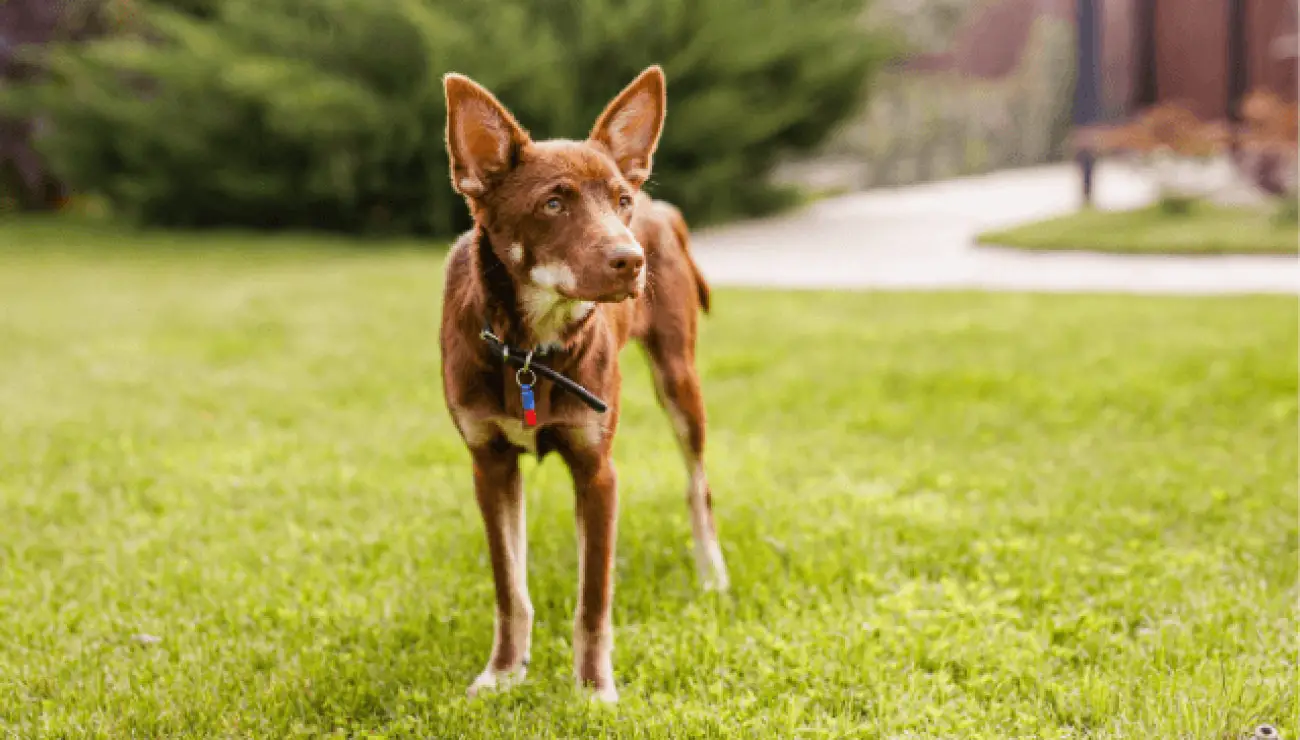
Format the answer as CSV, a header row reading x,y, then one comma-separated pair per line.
x,y
627,260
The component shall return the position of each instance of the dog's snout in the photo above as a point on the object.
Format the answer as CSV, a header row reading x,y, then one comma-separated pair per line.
x,y
627,259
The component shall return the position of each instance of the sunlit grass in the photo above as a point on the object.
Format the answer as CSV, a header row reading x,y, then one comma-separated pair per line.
x,y
1205,229
960,516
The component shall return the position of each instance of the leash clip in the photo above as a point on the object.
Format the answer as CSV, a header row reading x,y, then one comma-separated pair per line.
x,y
526,390
519,374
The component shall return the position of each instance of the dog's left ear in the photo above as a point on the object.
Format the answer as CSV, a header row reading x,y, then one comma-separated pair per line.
x,y
630,126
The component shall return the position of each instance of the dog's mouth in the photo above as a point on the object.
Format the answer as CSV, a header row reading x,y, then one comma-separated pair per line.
x,y
617,297
560,282
613,296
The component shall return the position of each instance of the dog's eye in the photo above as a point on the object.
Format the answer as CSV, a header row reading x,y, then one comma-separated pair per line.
x,y
625,201
553,206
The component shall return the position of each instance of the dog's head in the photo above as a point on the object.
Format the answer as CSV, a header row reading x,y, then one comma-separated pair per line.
x,y
557,212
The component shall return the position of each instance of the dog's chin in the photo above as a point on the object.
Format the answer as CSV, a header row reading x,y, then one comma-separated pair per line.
x,y
618,297
614,296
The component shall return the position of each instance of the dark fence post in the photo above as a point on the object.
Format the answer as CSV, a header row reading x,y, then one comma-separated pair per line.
x,y
1236,53
1145,41
1087,103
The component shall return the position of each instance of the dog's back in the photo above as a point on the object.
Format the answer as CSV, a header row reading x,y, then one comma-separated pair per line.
x,y
667,212
675,288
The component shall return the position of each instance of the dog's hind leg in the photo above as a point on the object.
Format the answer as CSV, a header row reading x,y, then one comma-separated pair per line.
x,y
678,387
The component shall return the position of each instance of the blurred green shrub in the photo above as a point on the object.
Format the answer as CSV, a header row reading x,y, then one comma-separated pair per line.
x,y
329,113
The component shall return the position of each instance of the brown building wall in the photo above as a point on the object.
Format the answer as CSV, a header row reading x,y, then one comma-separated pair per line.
x,y
1191,55
1191,52
1271,46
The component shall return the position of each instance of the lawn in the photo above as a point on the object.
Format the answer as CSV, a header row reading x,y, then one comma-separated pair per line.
x,y
1206,229
232,505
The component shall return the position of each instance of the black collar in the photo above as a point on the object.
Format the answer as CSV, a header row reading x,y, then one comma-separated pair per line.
x,y
499,289
515,356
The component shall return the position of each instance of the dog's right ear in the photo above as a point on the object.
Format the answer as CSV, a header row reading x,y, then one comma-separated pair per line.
x,y
483,139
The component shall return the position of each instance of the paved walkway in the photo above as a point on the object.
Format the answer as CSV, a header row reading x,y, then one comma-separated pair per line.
x,y
922,237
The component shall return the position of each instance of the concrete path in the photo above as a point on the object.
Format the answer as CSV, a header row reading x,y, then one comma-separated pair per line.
x,y
922,237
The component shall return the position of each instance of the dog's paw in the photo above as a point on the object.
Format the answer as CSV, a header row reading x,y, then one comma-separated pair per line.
x,y
715,582
606,694
711,566
491,680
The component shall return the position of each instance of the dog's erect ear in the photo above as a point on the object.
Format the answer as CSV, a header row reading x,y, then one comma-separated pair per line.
x,y
630,126
483,139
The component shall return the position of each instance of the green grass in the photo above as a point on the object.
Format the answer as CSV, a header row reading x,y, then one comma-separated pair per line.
x,y
1206,229
951,515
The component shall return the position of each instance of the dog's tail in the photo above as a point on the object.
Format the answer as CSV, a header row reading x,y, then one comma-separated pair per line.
x,y
683,234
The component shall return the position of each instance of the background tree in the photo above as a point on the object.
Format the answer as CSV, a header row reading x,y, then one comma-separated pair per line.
x,y
329,113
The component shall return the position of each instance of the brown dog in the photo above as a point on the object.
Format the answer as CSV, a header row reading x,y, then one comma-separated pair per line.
x,y
567,261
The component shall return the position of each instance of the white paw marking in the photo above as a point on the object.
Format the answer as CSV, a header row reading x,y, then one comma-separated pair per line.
x,y
708,553
603,647
712,568
492,680
607,695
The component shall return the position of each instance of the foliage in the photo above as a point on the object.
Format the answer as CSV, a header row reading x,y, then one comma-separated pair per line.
x,y
947,516
1166,127
1185,154
1269,143
329,113
1181,152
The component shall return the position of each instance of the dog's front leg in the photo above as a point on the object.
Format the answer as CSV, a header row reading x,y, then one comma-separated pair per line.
x,y
499,489
596,489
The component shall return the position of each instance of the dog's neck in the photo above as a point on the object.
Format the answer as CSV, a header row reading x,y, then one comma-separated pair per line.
x,y
526,316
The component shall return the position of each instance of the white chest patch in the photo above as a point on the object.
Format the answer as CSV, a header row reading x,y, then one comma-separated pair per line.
x,y
478,431
515,431
585,434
